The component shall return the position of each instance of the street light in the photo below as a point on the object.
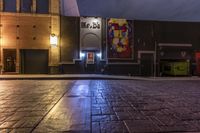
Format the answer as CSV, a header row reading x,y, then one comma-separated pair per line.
x,y
53,40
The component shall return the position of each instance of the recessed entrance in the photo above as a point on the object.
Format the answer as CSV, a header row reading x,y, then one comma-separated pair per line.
x,y
147,60
9,60
91,62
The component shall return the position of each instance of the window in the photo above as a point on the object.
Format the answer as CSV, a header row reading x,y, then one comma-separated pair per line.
x,y
9,5
26,5
42,6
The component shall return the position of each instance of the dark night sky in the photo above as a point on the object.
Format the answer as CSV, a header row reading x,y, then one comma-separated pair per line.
x,y
172,10
181,10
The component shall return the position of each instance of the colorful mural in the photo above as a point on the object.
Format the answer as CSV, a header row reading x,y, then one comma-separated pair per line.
x,y
119,38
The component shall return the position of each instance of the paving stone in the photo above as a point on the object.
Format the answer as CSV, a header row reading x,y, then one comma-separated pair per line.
x,y
8,124
121,109
119,104
36,113
141,126
124,116
168,120
136,115
107,110
24,103
100,118
5,130
113,127
30,122
179,128
113,118
71,114
2,118
96,111
99,106
96,127
19,124
101,100
21,130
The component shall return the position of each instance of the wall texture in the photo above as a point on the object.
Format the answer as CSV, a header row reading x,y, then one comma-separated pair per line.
x,y
146,37
69,39
30,31
24,32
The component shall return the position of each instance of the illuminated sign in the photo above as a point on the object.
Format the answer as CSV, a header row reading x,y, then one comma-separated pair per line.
x,y
90,58
53,40
91,25
90,33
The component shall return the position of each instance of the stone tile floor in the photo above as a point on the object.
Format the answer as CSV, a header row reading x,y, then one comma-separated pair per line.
x,y
99,106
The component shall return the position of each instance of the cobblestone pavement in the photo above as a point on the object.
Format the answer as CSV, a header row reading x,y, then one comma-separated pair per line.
x,y
99,106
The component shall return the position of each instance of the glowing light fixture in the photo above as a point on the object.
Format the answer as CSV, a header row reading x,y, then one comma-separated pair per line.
x,y
98,55
82,54
53,40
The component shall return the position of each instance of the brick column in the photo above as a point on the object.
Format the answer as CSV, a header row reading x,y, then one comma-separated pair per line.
x,y
1,51
18,5
1,9
54,7
34,6
55,29
1,5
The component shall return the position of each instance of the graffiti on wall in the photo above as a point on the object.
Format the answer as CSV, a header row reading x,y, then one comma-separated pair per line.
x,y
119,38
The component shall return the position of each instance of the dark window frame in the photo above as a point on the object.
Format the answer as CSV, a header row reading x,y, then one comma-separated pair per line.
x,y
42,9
7,7
26,7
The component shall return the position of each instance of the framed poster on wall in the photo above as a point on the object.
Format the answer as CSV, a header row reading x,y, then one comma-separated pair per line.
x,y
119,39
90,57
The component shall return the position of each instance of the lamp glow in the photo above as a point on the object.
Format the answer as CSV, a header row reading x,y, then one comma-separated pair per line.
x,y
98,55
82,54
53,40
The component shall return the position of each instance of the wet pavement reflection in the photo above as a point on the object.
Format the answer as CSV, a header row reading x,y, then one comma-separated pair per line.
x,y
99,106
24,104
72,113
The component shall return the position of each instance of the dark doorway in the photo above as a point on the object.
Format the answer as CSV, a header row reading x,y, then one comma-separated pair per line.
x,y
91,62
34,61
197,58
147,61
9,60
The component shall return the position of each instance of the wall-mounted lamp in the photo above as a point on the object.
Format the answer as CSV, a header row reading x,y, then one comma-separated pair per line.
x,y
82,55
98,55
53,40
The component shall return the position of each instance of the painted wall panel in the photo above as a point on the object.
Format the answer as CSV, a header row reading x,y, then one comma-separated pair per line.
x,y
119,39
